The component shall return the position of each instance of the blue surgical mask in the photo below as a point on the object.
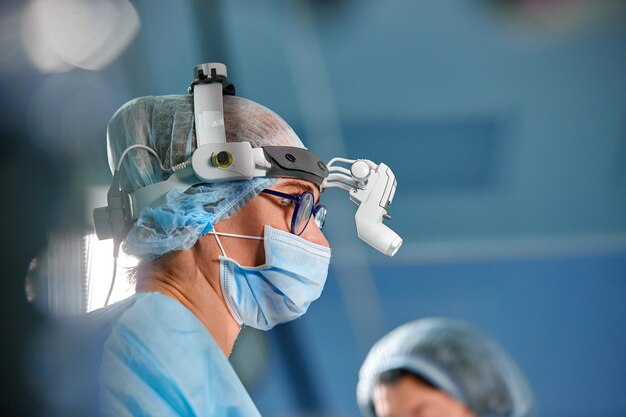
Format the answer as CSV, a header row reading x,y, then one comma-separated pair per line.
x,y
282,289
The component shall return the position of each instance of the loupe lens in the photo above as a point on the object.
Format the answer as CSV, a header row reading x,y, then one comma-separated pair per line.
x,y
320,217
303,214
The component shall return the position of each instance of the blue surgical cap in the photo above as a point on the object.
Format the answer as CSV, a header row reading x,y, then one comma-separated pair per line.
x,y
456,358
166,124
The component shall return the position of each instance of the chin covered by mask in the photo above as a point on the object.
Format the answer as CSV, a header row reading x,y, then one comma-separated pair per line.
x,y
280,290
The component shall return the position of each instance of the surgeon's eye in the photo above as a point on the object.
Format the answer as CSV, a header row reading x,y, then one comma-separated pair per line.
x,y
287,202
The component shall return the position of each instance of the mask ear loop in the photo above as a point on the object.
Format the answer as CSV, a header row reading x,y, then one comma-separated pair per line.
x,y
217,239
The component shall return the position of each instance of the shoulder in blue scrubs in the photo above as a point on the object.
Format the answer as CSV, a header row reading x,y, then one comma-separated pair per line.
x,y
158,359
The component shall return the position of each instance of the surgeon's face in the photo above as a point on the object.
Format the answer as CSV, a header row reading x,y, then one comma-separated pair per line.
x,y
411,397
263,210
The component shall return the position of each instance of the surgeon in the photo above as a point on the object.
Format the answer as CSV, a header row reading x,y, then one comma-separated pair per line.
x,y
441,367
219,200
213,258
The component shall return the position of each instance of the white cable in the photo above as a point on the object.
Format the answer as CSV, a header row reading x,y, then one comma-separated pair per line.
x,y
149,149
106,303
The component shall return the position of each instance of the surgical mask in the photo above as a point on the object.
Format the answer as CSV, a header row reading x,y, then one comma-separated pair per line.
x,y
282,289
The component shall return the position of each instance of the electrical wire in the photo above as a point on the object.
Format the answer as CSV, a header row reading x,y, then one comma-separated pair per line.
x,y
147,148
106,303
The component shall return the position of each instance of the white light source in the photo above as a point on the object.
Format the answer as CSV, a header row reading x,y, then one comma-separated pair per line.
x,y
100,272
61,34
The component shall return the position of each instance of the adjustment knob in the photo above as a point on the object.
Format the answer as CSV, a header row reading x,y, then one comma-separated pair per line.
x,y
360,170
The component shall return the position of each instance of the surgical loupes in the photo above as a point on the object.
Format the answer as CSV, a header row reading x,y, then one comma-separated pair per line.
x,y
372,188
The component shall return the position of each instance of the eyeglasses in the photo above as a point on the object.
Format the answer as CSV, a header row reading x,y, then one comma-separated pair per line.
x,y
303,210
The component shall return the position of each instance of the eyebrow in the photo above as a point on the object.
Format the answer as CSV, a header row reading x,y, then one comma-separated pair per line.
x,y
301,187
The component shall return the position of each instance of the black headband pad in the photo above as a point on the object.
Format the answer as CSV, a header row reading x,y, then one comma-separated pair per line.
x,y
291,162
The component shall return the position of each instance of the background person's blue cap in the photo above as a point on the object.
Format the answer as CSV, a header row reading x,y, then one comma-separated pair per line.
x,y
455,357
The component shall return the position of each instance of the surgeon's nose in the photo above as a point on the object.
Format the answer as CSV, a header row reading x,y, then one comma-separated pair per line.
x,y
313,234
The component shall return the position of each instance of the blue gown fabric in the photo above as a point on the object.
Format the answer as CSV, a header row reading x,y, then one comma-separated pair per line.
x,y
157,359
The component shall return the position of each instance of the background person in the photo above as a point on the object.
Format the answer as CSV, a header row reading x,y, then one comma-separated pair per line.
x,y
441,367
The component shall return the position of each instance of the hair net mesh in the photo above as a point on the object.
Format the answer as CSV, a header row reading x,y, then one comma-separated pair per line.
x,y
455,357
166,124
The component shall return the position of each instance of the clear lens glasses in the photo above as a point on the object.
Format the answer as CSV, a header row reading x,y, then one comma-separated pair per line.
x,y
303,210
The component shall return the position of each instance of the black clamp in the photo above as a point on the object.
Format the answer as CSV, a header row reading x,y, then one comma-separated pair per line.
x,y
228,89
115,220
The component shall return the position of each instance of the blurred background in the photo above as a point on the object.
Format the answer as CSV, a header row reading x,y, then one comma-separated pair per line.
x,y
504,122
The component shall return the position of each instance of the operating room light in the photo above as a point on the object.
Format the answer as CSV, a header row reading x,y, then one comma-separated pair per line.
x,y
59,35
100,272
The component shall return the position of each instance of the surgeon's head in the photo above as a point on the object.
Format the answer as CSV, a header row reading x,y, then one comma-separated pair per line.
x,y
166,124
441,367
257,243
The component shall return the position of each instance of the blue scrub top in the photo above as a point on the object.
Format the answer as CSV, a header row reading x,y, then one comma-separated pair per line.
x,y
153,357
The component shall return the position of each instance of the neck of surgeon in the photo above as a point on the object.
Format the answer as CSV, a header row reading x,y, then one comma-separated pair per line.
x,y
190,278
